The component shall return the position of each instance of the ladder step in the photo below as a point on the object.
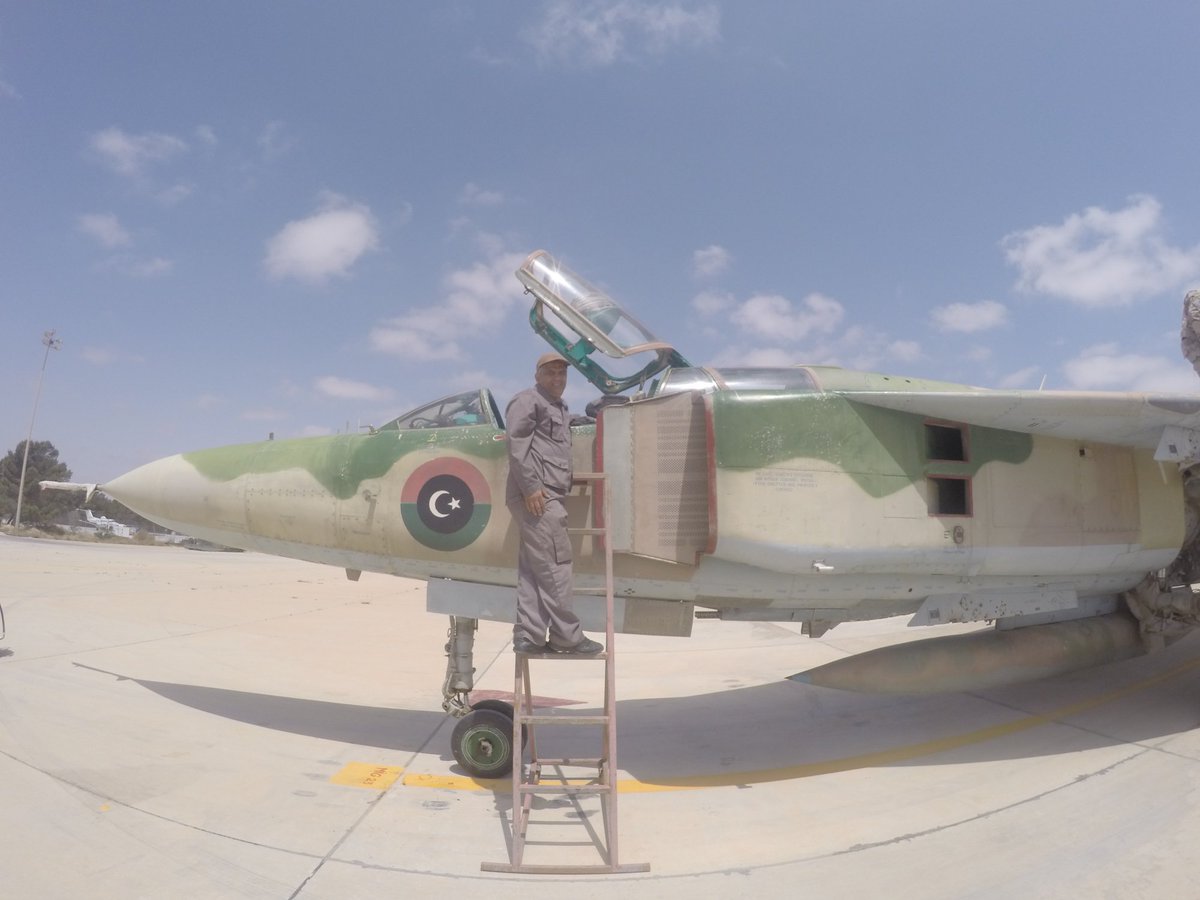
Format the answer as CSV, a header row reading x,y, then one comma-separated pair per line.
x,y
564,720
591,592
565,870
587,531
566,788
565,761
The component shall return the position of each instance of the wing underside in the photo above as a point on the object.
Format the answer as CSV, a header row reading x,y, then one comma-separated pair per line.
x,y
1125,419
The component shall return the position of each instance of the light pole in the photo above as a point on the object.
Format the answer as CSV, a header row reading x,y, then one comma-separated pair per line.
x,y
52,343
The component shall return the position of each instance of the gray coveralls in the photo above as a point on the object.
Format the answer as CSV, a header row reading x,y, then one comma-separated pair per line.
x,y
539,456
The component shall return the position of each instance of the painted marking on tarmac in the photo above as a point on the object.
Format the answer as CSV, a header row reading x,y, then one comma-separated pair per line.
x,y
825,767
367,775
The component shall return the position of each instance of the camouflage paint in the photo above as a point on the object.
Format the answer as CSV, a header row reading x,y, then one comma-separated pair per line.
x,y
759,431
341,463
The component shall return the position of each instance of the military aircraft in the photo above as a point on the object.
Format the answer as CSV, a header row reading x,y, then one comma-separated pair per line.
x,y
809,494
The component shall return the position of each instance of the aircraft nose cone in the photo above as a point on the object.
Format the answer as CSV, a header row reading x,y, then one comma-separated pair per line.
x,y
172,493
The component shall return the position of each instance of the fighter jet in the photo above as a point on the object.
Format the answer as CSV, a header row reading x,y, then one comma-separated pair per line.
x,y
808,494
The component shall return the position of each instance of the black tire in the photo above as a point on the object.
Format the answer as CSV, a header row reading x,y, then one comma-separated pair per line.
x,y
482,743
505,709
500,706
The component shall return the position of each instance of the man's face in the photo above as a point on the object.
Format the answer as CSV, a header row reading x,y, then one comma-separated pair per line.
x,y
552,378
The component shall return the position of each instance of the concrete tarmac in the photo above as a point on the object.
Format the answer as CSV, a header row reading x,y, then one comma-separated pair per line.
x,y
219,725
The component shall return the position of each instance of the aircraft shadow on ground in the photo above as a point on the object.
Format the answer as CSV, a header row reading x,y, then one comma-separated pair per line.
x,y
783,730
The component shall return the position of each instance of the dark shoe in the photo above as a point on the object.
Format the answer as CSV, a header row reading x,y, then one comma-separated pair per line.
x,y
586,647
525,645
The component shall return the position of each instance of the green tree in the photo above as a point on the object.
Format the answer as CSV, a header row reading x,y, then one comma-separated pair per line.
x,y
39,507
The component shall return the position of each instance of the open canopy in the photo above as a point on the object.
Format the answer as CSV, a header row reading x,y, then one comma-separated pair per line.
x,y
577,318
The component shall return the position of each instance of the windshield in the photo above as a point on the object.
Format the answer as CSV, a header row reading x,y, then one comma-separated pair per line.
x,y
476,407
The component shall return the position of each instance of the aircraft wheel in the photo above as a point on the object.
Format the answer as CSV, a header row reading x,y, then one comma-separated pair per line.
x,y
505,709
500,706
482,743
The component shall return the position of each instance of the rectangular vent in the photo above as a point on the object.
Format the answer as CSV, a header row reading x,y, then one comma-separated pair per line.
x,y
949,496
945,442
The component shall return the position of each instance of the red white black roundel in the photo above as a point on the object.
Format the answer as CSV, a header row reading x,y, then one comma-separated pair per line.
x,y
446,503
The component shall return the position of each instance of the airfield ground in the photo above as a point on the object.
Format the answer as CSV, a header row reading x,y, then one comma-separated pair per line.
x,y
217,725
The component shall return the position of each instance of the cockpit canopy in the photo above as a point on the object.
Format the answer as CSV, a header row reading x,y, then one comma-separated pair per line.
x,y
477,407
577,318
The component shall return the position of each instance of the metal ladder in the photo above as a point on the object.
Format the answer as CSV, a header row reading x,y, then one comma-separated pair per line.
x,y
532,778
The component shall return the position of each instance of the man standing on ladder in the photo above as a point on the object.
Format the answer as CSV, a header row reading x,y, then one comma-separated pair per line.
x,y
538,428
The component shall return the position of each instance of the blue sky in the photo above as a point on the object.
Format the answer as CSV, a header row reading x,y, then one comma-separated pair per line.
x,y
300,217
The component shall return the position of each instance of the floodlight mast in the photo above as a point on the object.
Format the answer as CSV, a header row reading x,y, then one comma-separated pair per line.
x,y
52,343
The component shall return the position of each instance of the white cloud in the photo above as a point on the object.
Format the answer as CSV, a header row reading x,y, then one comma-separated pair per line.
x,y
130,154
1104,367
148,268
105,228
105,356
99,356
1099,258
206,135
325,244
904,351
344,388
176,193
411,343
476,299
473,195
773,316
1022,378
860,347
769,357
711,261
856,348
8,92
274,141
709,303
970,317
128,264
601,32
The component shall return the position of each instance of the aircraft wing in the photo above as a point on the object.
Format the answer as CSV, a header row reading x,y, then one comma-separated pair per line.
x,y
1126,419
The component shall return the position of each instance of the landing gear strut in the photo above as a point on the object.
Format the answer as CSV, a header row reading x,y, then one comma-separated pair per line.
x,y
460,668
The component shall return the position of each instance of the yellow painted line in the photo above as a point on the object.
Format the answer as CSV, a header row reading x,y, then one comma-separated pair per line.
x,y
456,782
826,767
466,783
367,775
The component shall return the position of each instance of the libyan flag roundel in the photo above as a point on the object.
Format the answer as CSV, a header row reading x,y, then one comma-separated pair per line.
x,y
446,503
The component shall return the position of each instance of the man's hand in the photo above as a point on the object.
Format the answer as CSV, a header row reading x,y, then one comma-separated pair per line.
x,y
536,503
